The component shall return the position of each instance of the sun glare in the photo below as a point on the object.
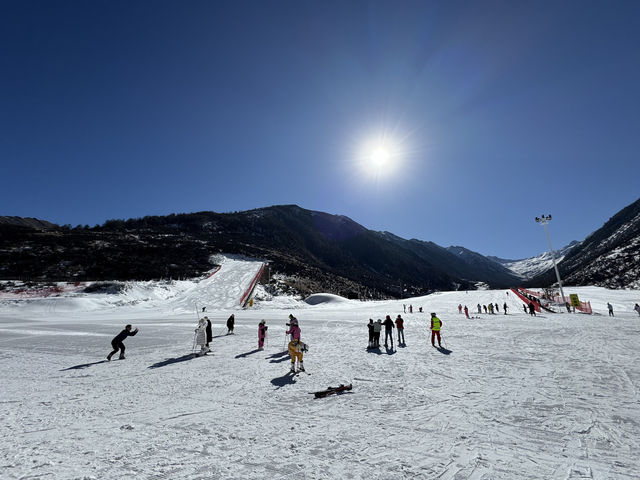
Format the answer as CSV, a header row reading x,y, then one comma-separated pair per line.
x,y
379,157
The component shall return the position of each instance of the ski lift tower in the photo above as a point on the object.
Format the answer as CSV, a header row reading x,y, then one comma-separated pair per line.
x,y
544,220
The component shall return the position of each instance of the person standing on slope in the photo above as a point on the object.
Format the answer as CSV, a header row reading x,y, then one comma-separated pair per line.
x,y
230,323
388,331
201,336
466,311
532,309
377,328
610,308
117,344
371,333
479,309
208,332
460,308
295,345
637,308
504,307
436,324
262,334
400,327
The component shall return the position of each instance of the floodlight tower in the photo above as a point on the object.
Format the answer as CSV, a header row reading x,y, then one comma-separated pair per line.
x,y
544,220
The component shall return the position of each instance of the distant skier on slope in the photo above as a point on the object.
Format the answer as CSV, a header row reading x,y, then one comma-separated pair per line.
x,y
436,324
610,308
504,307
400,327
460,308
117,344
295,345
371,333
377,328
230,323
388,331
637,308
466,311
497,308
201,336
262,334
532,309
208,332
479,309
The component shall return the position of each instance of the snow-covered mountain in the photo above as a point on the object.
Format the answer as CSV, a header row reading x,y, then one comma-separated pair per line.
x,y
527,268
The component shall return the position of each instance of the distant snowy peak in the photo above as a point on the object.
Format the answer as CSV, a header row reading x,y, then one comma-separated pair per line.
x,y
530,267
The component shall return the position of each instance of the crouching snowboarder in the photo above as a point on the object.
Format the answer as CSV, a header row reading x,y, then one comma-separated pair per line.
x,y
117,344
201,336
262,334
295,345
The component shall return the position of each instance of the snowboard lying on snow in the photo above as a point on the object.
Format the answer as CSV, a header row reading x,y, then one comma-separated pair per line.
x,y
331,391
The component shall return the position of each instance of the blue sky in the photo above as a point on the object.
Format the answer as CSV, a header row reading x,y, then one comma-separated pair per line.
x,y
490,113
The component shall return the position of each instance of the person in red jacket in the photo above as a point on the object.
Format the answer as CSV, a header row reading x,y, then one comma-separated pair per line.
x,y
466,311
262,334
400,327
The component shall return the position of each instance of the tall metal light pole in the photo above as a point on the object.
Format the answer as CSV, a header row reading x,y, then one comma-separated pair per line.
x,y
544,220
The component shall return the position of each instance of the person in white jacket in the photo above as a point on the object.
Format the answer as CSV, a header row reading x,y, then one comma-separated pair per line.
x,y
201,336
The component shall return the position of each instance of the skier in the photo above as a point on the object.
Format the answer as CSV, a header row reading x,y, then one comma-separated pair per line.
x,y
230,322
295,345
460,308
400,326
201,336
377,327
497,308
504,307
479,309
436,324
610,307
262,334
532,309
117,344
388,331
209,333
466,311
371,334
637,308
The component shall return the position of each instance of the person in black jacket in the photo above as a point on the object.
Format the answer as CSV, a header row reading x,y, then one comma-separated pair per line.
x,y
371,333
230,322
209,333
388,331
117,344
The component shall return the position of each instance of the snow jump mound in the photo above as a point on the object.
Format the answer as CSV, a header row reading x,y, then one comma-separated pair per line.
x,y
324,298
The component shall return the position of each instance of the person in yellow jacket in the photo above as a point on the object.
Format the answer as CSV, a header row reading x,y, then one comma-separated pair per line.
x,y
436,324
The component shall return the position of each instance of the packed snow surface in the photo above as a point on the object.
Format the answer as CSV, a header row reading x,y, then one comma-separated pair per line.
x,y
514,397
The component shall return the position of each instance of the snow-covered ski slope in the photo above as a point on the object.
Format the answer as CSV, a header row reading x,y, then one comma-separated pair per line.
x,y
221,288
518,397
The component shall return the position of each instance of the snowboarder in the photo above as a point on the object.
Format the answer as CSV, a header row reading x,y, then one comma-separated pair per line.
x,y
371,334
388,331
230,323
460,308
201,336
436,324
262,334
208,332
377,327
466,311
532,309
400,327
637,308
610,307
295,345
117,344
504,307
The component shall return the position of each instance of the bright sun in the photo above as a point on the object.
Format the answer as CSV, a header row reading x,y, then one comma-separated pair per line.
x,y
379,157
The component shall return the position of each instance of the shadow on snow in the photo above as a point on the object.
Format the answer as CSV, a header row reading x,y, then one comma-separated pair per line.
x,y
169,361
287,379
84,365
242,355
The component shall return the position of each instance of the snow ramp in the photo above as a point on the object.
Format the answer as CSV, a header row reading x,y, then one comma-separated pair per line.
x,y
226,287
